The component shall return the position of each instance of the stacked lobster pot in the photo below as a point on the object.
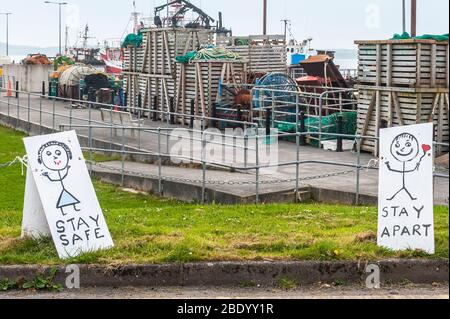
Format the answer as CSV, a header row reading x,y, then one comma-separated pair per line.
x,y
201,77
402,82
150,70
264,53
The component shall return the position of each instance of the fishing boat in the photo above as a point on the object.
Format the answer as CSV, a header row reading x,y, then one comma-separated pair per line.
x,y
86,54
112,56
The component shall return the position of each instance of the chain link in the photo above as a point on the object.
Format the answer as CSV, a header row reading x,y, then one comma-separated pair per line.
x,y
238,183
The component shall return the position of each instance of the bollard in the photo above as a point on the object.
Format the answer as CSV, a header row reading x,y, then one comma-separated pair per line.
x,y
125,100
139,105
268,122
155,108
213,122
302,129
43,88
239,113
90,97
17,89
113,95
191,120
65,90
172,110
340,129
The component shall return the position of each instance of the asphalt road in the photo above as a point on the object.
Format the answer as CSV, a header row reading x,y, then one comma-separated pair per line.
x,y
435,291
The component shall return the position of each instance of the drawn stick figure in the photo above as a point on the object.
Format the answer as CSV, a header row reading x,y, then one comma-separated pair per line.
x,y
55,156
405,149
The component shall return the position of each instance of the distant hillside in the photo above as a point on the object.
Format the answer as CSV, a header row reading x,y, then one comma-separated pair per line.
x,y
24,50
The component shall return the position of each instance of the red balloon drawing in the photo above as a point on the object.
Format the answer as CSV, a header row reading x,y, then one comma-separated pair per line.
x,y
426,148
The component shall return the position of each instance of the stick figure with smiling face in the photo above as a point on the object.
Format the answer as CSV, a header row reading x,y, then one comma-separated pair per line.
x,y
405,149
55,156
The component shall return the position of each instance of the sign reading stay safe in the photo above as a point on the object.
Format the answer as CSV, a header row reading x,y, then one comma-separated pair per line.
x,y
60,199
406,202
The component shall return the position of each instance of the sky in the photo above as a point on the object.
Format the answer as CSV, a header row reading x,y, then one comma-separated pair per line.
x,y
332,24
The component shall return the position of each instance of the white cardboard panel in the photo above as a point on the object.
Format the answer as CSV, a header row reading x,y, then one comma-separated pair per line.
x,y
66,194
406,211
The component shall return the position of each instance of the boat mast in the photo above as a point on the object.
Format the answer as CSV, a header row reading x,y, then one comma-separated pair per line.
x,y
264,17
135,16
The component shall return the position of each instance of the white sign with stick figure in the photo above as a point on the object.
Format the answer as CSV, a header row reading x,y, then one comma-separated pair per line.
x,y
406,205
59,186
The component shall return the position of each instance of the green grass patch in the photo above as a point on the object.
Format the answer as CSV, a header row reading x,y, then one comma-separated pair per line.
x,y
148,229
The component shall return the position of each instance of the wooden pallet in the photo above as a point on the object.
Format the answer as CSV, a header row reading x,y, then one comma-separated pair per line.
x,y
199,81
402,82
264,53
380,107
406,63
151,70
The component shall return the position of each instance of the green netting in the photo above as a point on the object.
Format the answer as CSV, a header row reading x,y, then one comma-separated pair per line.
x,y
210,53
241,42
329,125
134,40
406,36
186,58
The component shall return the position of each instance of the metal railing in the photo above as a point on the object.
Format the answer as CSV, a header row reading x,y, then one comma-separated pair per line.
x,y
251,140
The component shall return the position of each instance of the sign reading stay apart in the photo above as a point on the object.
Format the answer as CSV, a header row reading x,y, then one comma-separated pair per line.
x,y
406,211
59,197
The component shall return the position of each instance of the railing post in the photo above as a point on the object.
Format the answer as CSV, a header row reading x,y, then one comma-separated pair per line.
x,y
245,145
340,129
358,172
203,166
29,113
160,190
123,156
18,109
40,116
90,100
90,150
297,141
9,108
257,166
302,129
53,114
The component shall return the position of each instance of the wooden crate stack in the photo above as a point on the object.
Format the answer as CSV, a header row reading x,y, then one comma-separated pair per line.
x,y
200,80
151,70
265,54
402,82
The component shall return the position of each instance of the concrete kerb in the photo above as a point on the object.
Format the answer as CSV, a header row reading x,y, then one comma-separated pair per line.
x,y
236,274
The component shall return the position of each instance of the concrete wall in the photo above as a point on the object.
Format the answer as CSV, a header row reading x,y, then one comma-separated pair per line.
x,y
30,77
